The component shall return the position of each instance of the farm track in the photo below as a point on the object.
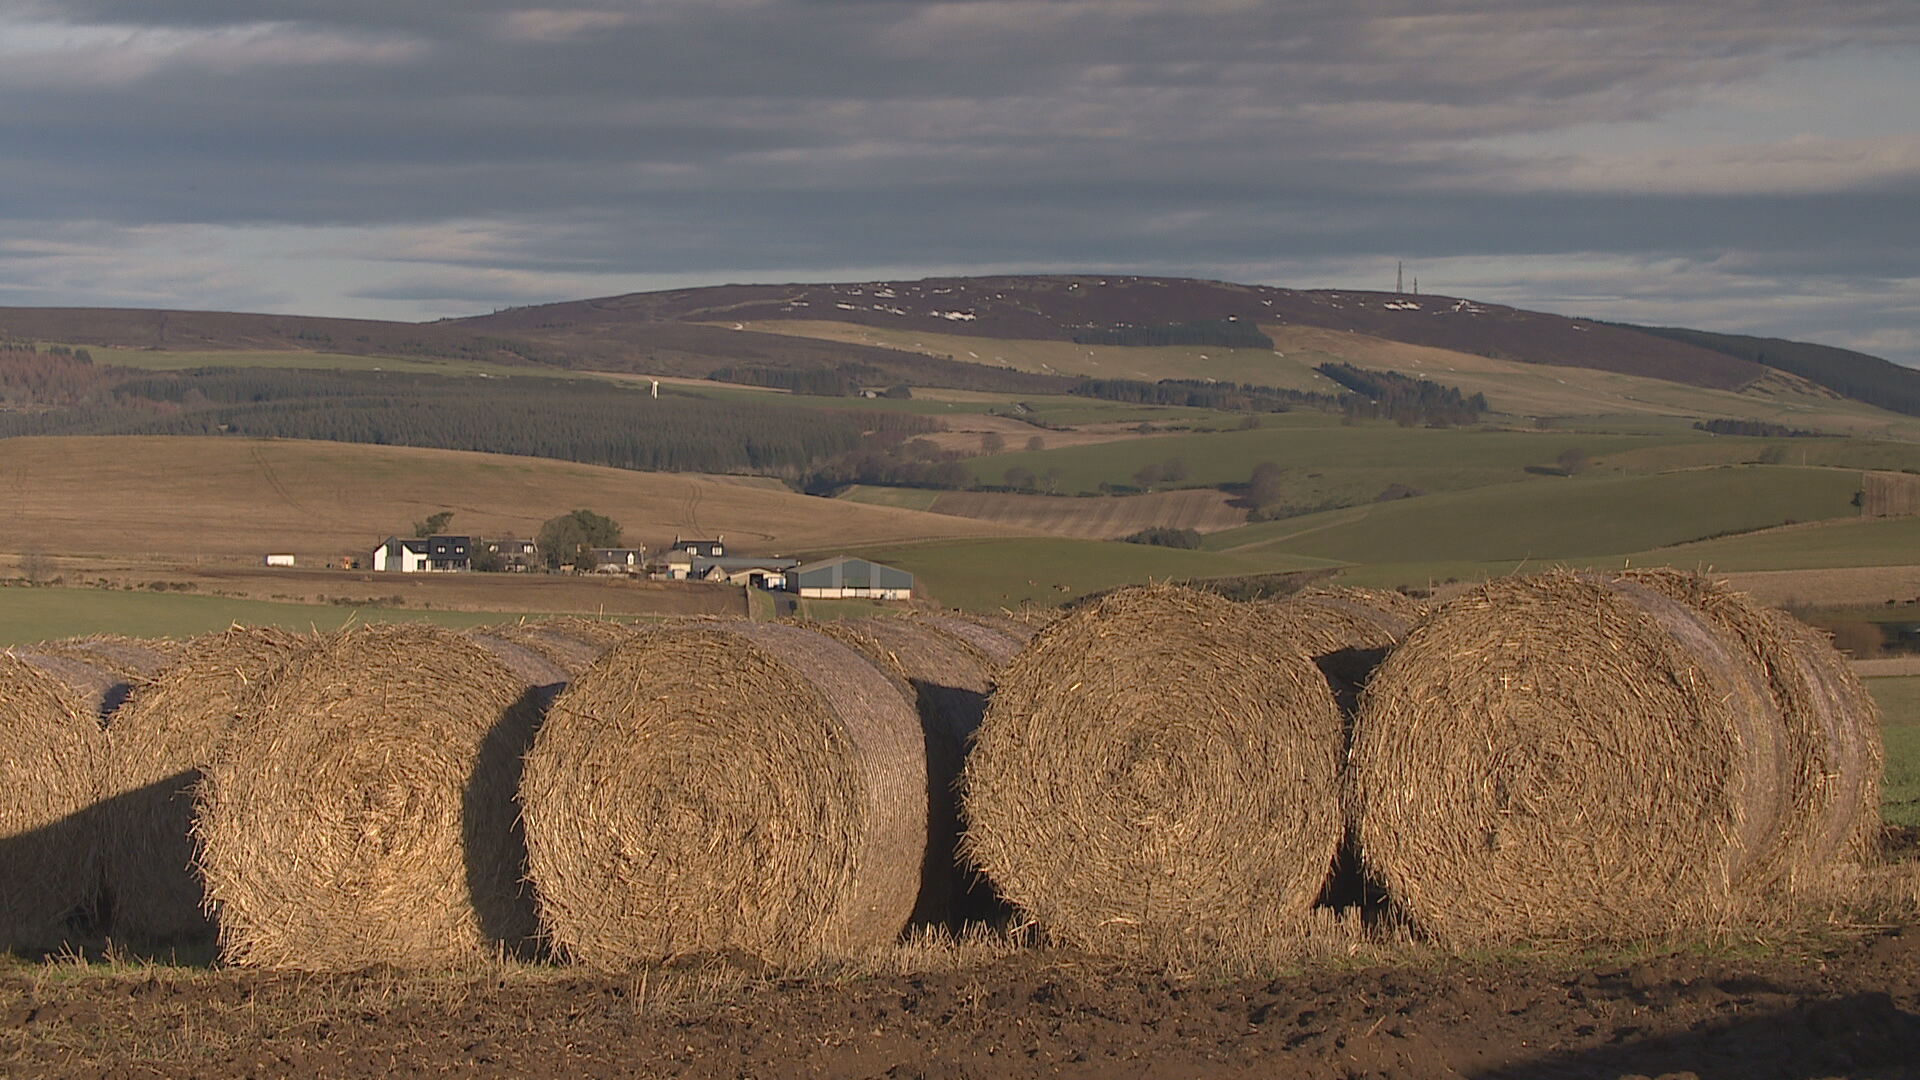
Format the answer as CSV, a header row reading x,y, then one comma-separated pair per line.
x,y
1852,1010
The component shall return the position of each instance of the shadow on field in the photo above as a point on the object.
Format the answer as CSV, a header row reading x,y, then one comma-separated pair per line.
x,y
1862,1035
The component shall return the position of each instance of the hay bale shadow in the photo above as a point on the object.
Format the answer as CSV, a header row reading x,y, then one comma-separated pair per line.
x,y
497,881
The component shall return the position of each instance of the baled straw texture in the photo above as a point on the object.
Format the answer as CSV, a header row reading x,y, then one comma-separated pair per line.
x,y
755,788
129,656
102,669
159,744
1832,727
51,755
997,639
573,644
1157,774
1567,757
361,809
947,680
1346,631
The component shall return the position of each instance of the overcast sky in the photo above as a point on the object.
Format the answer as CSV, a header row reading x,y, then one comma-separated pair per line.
x,y
1745,165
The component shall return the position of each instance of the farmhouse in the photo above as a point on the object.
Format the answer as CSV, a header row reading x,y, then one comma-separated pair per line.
x,y
411,555
759,571
619,560
518,556
712,549
846,576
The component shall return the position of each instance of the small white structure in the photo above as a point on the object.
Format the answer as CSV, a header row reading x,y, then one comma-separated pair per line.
x,y
280,558
407,556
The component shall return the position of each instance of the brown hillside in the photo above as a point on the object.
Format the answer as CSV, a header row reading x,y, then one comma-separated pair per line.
x,y
228,499
1058,307
661,333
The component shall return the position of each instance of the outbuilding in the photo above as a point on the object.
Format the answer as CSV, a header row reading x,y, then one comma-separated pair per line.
x,y
847,576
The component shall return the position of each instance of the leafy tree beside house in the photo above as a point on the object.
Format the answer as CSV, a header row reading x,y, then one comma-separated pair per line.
x,y
569,540
435,525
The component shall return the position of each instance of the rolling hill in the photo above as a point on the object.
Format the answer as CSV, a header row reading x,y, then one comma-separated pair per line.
x,y
857,329
222,498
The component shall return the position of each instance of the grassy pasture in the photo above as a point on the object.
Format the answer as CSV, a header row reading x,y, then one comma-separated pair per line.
x,y
1355,461
903,497
1149,363
1596,400
989,574
30,615
1593,400
1899,700
1562,516
1099,517
1060,409
1855,542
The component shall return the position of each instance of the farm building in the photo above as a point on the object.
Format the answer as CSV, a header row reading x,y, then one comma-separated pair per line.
x,y
712,549
762,572
280,558
411,555
844,576
619,560
515,555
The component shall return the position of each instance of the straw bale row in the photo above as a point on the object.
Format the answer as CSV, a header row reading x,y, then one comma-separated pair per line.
x,y
1563,756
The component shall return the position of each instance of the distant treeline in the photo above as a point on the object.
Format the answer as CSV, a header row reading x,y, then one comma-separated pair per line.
x,y
842,381
1855,374
1372,395
58,376
580,421
1754,427
891,459
1403,398
1226,333
1201,394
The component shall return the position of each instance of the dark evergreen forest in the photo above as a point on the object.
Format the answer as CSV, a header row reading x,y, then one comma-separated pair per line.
x,y
575,420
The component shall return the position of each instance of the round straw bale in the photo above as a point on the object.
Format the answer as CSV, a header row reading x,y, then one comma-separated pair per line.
x,y
532,665
572,643
361,809
1832,726
948,681
998,640
51,755
1566,757
747,787
159,744
99,689
130,656
1157,772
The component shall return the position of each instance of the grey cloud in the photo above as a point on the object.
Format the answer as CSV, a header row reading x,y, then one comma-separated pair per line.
x,y
709,137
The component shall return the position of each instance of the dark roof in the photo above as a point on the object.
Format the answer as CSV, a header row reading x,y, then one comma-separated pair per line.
x,y
742,562
850,572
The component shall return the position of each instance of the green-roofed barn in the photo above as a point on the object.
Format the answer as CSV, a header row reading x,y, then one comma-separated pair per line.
x,y
844,575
